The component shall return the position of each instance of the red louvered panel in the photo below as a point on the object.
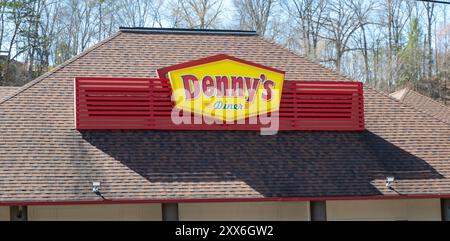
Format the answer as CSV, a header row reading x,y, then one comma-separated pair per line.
x,y
145,104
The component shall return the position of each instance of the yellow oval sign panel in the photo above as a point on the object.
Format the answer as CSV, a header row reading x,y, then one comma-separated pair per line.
x,y
225,87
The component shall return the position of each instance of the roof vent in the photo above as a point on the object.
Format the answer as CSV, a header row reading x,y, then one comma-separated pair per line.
x,y
186,31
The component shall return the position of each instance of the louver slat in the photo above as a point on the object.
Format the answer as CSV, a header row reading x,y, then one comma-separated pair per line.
x,y
145,104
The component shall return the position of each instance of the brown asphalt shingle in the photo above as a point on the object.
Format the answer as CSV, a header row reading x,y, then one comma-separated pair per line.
x,y
423,103
44,158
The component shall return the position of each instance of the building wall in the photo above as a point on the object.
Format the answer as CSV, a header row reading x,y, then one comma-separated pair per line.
x,y
262,211
125,212
393,210
389,210
4,213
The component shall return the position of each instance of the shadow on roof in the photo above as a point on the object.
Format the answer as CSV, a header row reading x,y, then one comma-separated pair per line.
x,y
291,164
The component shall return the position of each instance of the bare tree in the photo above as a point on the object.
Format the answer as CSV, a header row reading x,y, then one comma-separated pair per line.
x,y
2,22
31,33
429,9
443,55
49,28
340,24
140,13
82,25
362,10
396,13
200,14
309,17
16,11
254,14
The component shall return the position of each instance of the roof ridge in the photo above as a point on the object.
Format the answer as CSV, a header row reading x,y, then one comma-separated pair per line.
x,y
58,68
404,90
187,31
405,104
407,91
431,99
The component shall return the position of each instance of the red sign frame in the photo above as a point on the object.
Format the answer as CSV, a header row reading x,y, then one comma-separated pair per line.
x,y
146,104
162,72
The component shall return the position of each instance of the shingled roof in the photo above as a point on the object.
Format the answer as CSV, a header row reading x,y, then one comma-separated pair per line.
x,y
43,158
6,91
423,103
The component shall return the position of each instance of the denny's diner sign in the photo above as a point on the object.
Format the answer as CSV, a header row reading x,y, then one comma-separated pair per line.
x,y
224,87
